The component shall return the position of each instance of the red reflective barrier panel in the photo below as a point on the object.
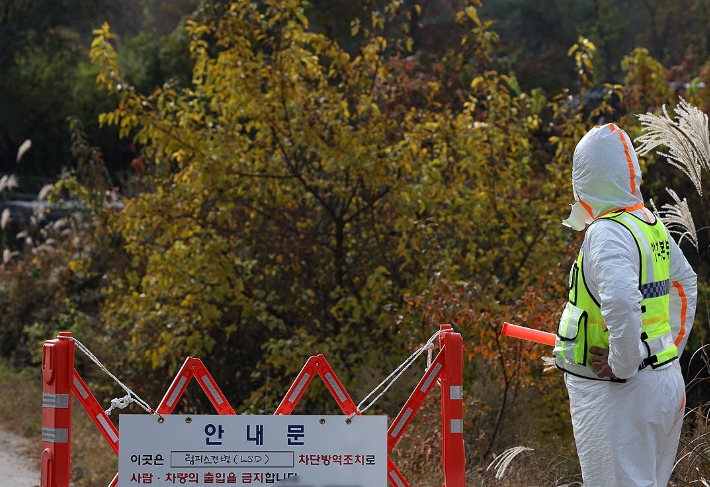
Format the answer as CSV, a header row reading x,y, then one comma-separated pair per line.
x,y
57,377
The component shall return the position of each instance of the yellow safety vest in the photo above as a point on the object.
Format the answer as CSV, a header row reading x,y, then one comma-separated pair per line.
x,y
581,325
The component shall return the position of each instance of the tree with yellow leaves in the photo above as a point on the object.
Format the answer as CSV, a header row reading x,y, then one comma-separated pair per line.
x,y
299,198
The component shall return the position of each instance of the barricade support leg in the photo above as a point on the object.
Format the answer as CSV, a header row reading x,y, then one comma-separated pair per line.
x,y
96,413
316,364
193,367
394,476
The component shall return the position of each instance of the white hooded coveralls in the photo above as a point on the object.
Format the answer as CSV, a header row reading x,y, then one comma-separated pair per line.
x,y
626,433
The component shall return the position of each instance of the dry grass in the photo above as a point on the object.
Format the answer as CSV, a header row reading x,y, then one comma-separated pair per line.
x,y
22,407
93,461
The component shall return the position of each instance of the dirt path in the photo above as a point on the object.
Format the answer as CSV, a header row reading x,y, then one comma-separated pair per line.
x,y
16,467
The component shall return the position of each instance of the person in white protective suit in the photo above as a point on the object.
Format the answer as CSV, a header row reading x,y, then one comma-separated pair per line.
x,y
631,307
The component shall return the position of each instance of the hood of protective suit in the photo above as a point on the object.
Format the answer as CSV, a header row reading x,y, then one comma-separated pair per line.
x,y
605,176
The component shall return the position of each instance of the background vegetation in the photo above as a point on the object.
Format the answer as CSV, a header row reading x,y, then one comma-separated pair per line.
x,y
263,181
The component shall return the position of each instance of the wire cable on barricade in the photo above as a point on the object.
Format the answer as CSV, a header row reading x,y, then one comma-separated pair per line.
x,y
116,403
397,373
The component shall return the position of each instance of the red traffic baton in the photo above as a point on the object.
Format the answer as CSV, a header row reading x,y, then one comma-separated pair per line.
x,y
524,333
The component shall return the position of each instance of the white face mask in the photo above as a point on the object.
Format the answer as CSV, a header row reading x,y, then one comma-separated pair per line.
x,y
578,218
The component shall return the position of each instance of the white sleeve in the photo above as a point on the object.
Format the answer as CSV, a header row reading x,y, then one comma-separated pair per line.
x,y
612,262
684,296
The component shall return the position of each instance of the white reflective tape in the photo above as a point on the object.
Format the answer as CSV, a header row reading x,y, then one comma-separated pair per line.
x,y
395,479
212,389
456,392
334,385
457,425
402,422
173,397
299,388
427,383
661,343
80,389
107,428
55,401
55,435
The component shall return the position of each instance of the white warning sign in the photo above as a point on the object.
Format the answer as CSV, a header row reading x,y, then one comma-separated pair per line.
x,y
224,450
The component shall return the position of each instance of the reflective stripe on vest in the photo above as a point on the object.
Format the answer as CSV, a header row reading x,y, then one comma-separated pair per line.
x,y
582,326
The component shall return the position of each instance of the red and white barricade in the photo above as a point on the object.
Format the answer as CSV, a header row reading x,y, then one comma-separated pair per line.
x,y
60,381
